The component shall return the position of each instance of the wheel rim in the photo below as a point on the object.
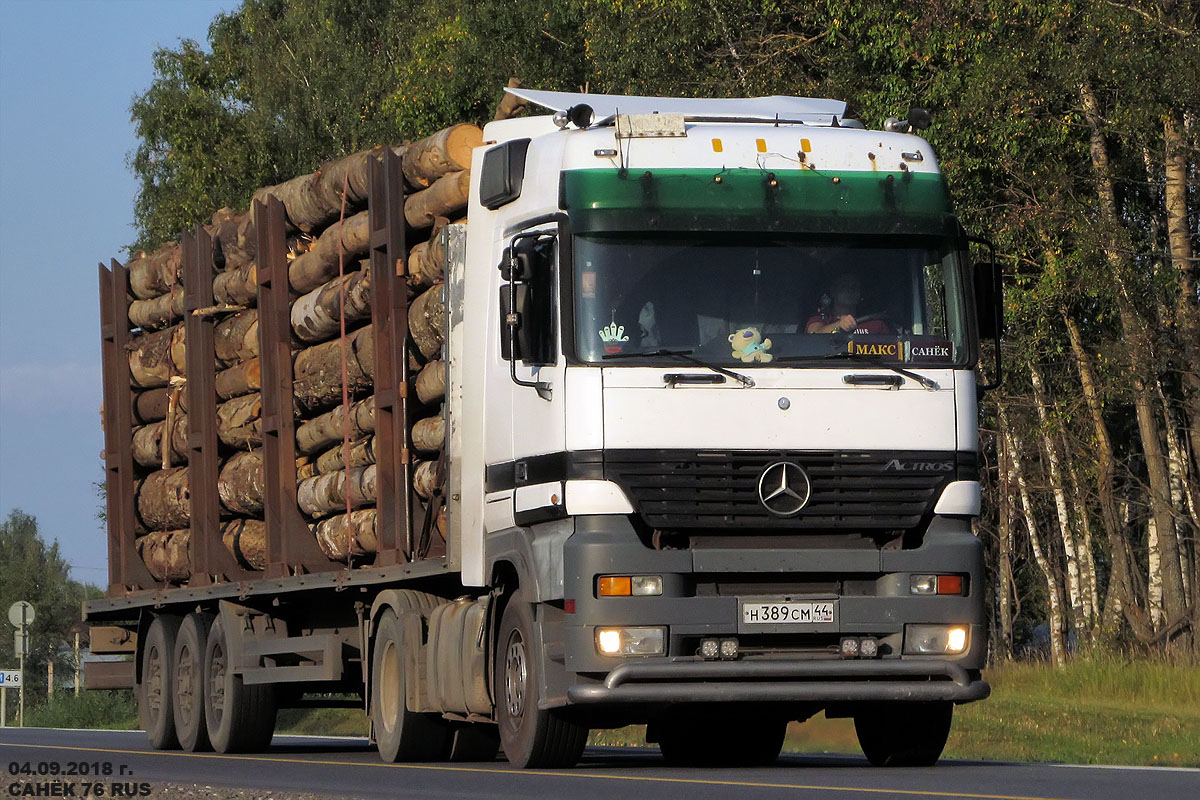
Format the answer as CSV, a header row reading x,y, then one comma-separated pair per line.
x,y
216,683
389,685
184,683
154,681
516,674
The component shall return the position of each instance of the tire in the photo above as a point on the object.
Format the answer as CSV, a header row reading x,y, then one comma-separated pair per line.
x,y
531,736
158,681
733,742
474,742
238,718
400,734
903,734
187,698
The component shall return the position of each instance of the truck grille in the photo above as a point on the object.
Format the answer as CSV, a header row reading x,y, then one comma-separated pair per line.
x,y
864,491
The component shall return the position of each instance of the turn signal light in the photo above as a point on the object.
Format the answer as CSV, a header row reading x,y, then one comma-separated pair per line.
x,y
616,586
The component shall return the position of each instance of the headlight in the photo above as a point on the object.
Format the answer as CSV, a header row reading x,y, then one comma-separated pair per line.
x,y
631,641
936,639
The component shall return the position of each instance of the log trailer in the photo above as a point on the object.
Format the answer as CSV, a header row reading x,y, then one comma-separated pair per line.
x,y
666,500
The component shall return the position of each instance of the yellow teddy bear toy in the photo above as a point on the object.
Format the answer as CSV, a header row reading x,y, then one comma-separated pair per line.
x,y
749,346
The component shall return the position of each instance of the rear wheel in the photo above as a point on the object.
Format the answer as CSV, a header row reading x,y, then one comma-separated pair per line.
x,y
531,736
188,684
400,734
741,741
903,734
239,718
158,672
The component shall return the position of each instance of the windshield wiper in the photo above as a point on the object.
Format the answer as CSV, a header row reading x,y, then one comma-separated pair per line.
x,y
928,383
683,355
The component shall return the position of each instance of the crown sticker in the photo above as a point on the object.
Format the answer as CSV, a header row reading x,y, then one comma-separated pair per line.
x,y
614,338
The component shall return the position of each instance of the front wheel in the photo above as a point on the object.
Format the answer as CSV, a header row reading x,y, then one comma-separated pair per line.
x,y
530,736
903,734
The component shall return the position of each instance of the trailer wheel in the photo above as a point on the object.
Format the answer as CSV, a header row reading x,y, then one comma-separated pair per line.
x,y
400,734
903,734
158,673
740,741
238,718
530,736
188,696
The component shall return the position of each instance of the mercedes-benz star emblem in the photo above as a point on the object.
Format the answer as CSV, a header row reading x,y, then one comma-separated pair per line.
x,y
784,489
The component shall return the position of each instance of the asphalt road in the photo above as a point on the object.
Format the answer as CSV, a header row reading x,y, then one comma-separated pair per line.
x,y
349,767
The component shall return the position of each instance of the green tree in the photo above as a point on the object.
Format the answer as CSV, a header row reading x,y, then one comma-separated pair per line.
x,y
33,571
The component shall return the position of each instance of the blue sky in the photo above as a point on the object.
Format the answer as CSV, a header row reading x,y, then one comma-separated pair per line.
x,y
68,72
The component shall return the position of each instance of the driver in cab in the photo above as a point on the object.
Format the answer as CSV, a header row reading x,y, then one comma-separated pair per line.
x,y
838,308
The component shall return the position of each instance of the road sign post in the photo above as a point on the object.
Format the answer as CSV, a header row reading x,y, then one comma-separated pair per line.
x,y
21,615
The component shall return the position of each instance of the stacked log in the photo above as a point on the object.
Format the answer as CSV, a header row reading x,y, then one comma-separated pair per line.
x,y
329,275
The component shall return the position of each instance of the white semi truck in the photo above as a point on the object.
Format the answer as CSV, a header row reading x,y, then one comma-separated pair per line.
x,y
711,462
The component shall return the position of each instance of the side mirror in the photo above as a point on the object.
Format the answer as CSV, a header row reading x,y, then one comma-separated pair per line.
x,y
528,329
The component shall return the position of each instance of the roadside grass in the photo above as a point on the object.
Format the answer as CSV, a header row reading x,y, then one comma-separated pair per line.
x,y
1100,710
110,710
322,721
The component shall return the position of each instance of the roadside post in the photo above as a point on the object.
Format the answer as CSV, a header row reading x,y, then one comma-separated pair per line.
x,y
21,615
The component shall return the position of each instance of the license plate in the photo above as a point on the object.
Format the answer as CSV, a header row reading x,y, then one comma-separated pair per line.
x,y
821,612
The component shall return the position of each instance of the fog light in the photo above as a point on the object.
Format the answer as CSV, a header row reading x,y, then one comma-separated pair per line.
x,y
646,585
923,584
631,641
868,648
935,639
710,649
849,648
729,648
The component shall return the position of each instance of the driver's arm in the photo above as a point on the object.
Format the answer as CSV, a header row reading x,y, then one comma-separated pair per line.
x,y
840,325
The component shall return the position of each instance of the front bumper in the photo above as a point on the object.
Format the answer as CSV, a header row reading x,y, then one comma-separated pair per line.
x,y
783,681
790,664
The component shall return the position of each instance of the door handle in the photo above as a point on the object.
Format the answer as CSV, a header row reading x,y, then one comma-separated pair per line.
x,y
676,378
891,381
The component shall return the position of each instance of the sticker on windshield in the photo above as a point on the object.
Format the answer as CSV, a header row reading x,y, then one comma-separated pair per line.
x,y
614,338
884,350
587,283
929,348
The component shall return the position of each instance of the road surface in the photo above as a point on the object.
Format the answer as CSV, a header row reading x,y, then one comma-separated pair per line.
x,y
349,767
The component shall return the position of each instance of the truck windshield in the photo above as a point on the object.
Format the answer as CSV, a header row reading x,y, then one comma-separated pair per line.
x,y
742,299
